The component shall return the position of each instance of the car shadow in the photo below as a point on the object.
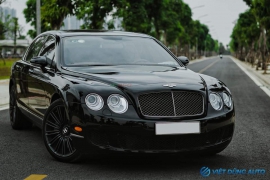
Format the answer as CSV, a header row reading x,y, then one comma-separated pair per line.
x,y
142,162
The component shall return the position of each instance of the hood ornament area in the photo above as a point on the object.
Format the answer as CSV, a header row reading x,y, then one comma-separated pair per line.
x,y
169,85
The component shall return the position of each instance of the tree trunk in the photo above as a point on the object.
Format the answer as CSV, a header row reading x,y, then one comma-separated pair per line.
x,y
241,53
252,57
2,57
260,50
15,34
165,38
157,30
264,52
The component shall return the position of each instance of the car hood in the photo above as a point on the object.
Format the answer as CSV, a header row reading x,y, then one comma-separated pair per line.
x,y
143,77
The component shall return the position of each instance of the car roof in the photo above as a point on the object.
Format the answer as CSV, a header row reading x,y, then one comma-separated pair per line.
x,y
65,33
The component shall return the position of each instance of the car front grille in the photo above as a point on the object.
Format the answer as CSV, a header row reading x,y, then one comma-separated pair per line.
x,y
171,104
134,142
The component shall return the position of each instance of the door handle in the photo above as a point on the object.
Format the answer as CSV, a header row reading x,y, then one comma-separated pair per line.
x,y
31,71
17,67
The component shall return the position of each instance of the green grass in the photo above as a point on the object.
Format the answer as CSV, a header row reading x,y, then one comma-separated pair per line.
x,y
5,68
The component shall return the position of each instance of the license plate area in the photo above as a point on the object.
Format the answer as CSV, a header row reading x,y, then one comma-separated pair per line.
x,y
170,128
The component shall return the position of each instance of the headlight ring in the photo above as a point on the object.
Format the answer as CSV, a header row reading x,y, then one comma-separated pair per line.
x,y
117,103
227,99
216,101
94,101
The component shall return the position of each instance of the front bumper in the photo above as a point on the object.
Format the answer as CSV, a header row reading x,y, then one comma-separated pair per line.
x,y
138,135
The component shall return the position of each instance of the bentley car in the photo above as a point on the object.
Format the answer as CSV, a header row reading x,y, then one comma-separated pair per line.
x,y
94,92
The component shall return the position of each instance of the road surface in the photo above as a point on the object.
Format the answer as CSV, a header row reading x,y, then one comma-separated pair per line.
x,y
22,153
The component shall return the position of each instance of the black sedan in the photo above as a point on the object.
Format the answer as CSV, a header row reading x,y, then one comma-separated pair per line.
x,y
112,91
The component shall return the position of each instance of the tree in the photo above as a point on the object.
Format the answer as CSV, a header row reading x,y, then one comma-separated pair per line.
x,y
94,12
136,16
2,30
168,21
53,12
15,29
221,48
2,1
209,43
245,34
30,17
261,10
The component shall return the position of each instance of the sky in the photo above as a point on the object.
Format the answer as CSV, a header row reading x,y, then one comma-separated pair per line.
x,y
218,15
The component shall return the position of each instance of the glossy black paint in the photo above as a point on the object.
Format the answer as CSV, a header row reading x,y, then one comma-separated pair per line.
x,y
184,60
38,86
39,60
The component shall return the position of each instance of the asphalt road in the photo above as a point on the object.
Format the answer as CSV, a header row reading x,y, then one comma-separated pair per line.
x,y
23,153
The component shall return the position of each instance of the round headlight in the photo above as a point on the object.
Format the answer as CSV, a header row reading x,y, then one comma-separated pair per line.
x,y
227,99
117,103
216,101
94,101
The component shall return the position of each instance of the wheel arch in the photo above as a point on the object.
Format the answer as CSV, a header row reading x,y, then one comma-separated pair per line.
x,y
55,97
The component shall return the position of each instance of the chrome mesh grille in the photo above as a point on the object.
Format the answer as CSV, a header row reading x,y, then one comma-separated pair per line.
x,y
153,104
169,104
188,103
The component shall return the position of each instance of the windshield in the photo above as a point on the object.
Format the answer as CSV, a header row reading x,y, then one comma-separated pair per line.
x,y
114,50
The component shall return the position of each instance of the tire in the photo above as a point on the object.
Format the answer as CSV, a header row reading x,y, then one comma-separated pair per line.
x,y
17,120
56,134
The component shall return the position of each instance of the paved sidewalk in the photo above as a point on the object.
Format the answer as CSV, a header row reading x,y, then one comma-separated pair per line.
x,y
263,78
4,93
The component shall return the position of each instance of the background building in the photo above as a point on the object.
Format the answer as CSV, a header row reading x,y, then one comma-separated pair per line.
x,y
6,11
71,22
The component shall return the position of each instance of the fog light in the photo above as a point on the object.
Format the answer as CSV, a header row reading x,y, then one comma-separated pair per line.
x,y
78,129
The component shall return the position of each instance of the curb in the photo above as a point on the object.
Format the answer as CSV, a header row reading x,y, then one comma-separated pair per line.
x,y
2,108
4,80
256,74
4,102
257,80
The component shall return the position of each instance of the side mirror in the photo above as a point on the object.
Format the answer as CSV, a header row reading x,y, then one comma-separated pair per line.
x,y
39,60
184,60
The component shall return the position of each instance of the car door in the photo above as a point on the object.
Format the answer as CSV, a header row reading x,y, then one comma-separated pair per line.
x,y
21,71
35,89
39,98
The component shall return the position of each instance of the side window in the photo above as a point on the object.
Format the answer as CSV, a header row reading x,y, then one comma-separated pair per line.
x,y
48,50
35,48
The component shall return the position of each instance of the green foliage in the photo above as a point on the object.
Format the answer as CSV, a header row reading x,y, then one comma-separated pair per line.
x,y
93,12
167,20
136,16
53,12
245,31
2,30
248,2
221,48
209,43
30,17
251,33
5,67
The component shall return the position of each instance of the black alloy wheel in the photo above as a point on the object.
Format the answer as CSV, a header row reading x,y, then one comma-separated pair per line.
x,y
56,134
